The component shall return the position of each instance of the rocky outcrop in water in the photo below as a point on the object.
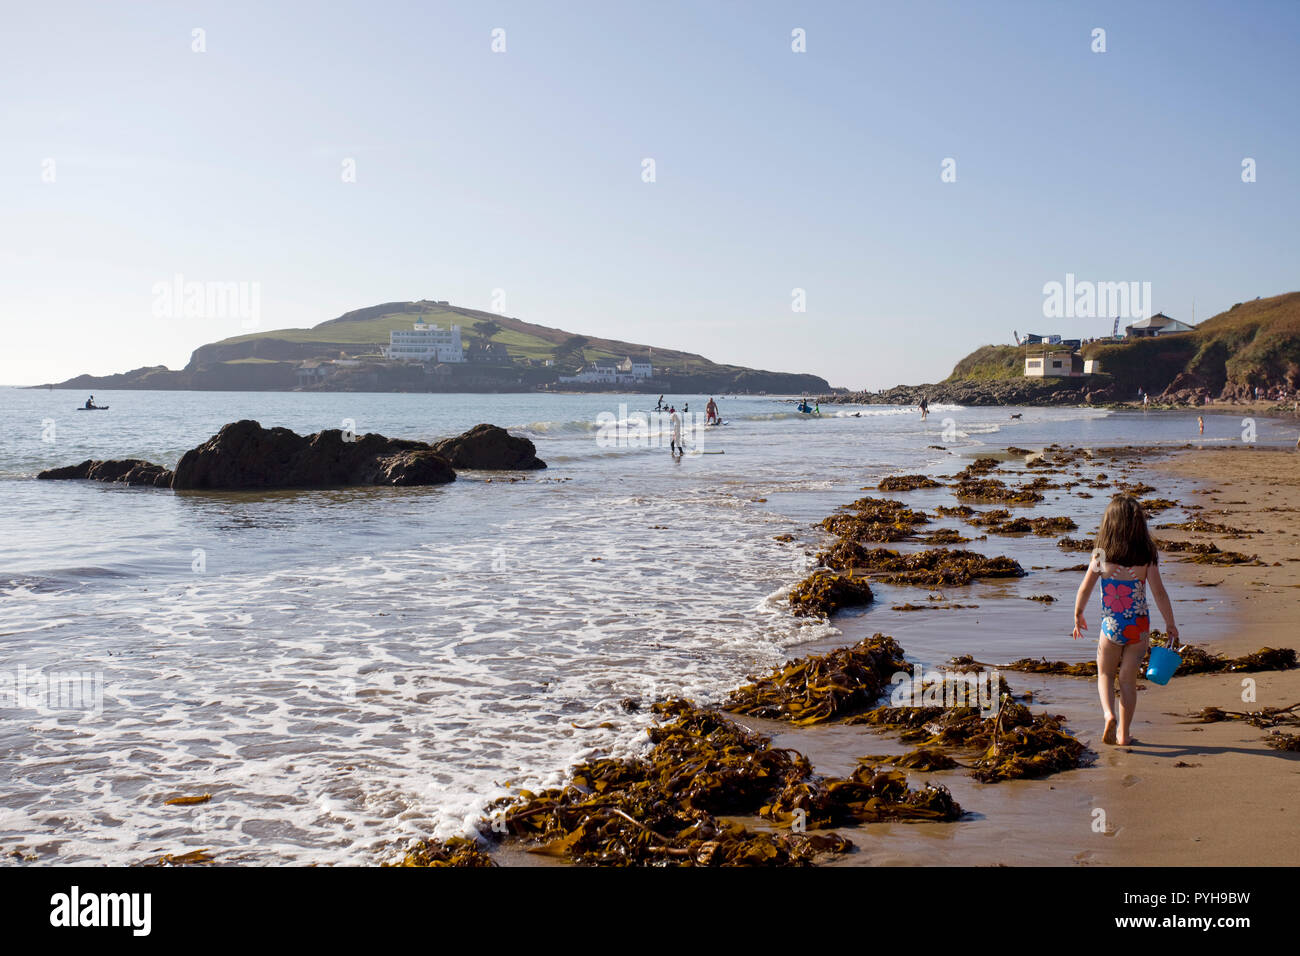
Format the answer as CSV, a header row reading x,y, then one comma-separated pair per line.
x,y
129,471
246,455
489,448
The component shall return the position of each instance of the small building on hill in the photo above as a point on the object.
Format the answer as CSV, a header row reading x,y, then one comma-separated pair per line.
x,y
1053,363
1158,324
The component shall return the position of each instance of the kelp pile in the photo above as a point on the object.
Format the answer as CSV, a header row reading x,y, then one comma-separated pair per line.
x,y
1076,544
922,758
1198,661
993,489
1155,505
1195,661
816,688
825,592
874,519
1264,718
1202,526
1013,745
867,795
660,810
931,568
943,536
999,521
1207,552
907,483
457,851
977,468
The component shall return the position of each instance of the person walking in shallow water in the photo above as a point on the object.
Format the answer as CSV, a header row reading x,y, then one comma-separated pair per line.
x,y
1200,423
675,445
1126,561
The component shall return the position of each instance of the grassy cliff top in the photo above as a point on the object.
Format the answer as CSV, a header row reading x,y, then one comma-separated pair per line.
x,y
1252,343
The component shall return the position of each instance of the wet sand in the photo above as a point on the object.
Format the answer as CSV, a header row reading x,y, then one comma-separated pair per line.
x,y
1183,794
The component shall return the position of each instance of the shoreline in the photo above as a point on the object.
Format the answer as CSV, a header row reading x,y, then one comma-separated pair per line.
x,y
1140,792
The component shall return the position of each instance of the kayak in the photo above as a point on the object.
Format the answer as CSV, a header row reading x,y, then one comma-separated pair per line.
x,y
713,424
92,408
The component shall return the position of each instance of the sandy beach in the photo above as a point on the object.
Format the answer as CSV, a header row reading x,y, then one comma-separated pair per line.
x,y
1184,793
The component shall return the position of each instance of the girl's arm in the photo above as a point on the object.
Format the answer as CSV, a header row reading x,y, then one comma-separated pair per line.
x,y
1081,598
1161,596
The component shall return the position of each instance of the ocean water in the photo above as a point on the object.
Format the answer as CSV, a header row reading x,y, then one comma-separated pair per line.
x,y
346,670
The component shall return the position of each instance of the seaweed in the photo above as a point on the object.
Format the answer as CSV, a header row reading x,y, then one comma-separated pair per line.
x,y
1199,524
659,809
1154,505
1263,718
922,758
867,795
993,489
1014,744
907,483
457,851
825,592
874,519
943,536
1286,742
816,688
1076,544
930,568
1028,665
999,521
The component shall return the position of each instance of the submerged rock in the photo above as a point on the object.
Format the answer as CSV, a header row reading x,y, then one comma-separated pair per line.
x,y
489,448
129,471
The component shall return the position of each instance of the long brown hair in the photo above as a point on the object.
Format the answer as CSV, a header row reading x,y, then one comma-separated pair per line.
x,y
1123,538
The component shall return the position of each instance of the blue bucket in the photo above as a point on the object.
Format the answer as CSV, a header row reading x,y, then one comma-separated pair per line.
x,y
1164,661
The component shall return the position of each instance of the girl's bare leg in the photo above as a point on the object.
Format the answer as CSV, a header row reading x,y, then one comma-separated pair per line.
x,y
1128,693
1108,660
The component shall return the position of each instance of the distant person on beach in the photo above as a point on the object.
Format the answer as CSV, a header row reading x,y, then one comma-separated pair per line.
x,y
659,405
1146,399
686,407
925,408
1200,423
675,446
711,411
1126,562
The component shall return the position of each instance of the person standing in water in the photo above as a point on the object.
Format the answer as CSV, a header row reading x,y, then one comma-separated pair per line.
x,y
675,445
711,411
1200,422
925,408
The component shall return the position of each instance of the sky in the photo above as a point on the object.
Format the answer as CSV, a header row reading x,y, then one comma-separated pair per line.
x,y
334,156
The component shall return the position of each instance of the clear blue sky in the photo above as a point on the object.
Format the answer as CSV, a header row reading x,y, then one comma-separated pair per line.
x,y
522,170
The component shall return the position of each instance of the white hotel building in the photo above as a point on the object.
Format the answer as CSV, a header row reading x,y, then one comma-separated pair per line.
x,y
425,343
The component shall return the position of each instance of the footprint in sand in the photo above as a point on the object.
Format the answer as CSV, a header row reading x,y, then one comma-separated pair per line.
x,y
1130,781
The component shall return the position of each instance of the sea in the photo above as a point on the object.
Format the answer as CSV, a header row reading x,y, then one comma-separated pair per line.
x,y
344,671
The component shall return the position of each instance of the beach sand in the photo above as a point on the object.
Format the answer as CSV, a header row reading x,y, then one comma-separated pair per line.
x,y
1237,802
1184,793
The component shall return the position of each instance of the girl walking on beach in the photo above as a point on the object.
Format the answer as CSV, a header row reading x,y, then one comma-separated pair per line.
x,y
1125,561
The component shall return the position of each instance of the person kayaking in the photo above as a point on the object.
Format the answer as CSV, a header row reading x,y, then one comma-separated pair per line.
x,y
711,412
90,402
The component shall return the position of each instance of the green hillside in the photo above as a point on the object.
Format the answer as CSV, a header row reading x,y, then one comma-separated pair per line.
x,y
366,331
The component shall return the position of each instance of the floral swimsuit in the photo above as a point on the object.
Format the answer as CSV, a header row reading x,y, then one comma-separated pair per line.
x,y
1125,619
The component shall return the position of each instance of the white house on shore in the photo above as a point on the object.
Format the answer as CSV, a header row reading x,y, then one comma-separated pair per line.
x,y
1058,363
425,343
626,372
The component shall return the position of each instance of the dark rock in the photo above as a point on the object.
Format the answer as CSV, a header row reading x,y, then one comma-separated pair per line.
x,y
129,471
489,448
246,455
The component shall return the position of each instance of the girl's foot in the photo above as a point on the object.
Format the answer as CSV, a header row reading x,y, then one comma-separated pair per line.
x,y
1127,741
1108,736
